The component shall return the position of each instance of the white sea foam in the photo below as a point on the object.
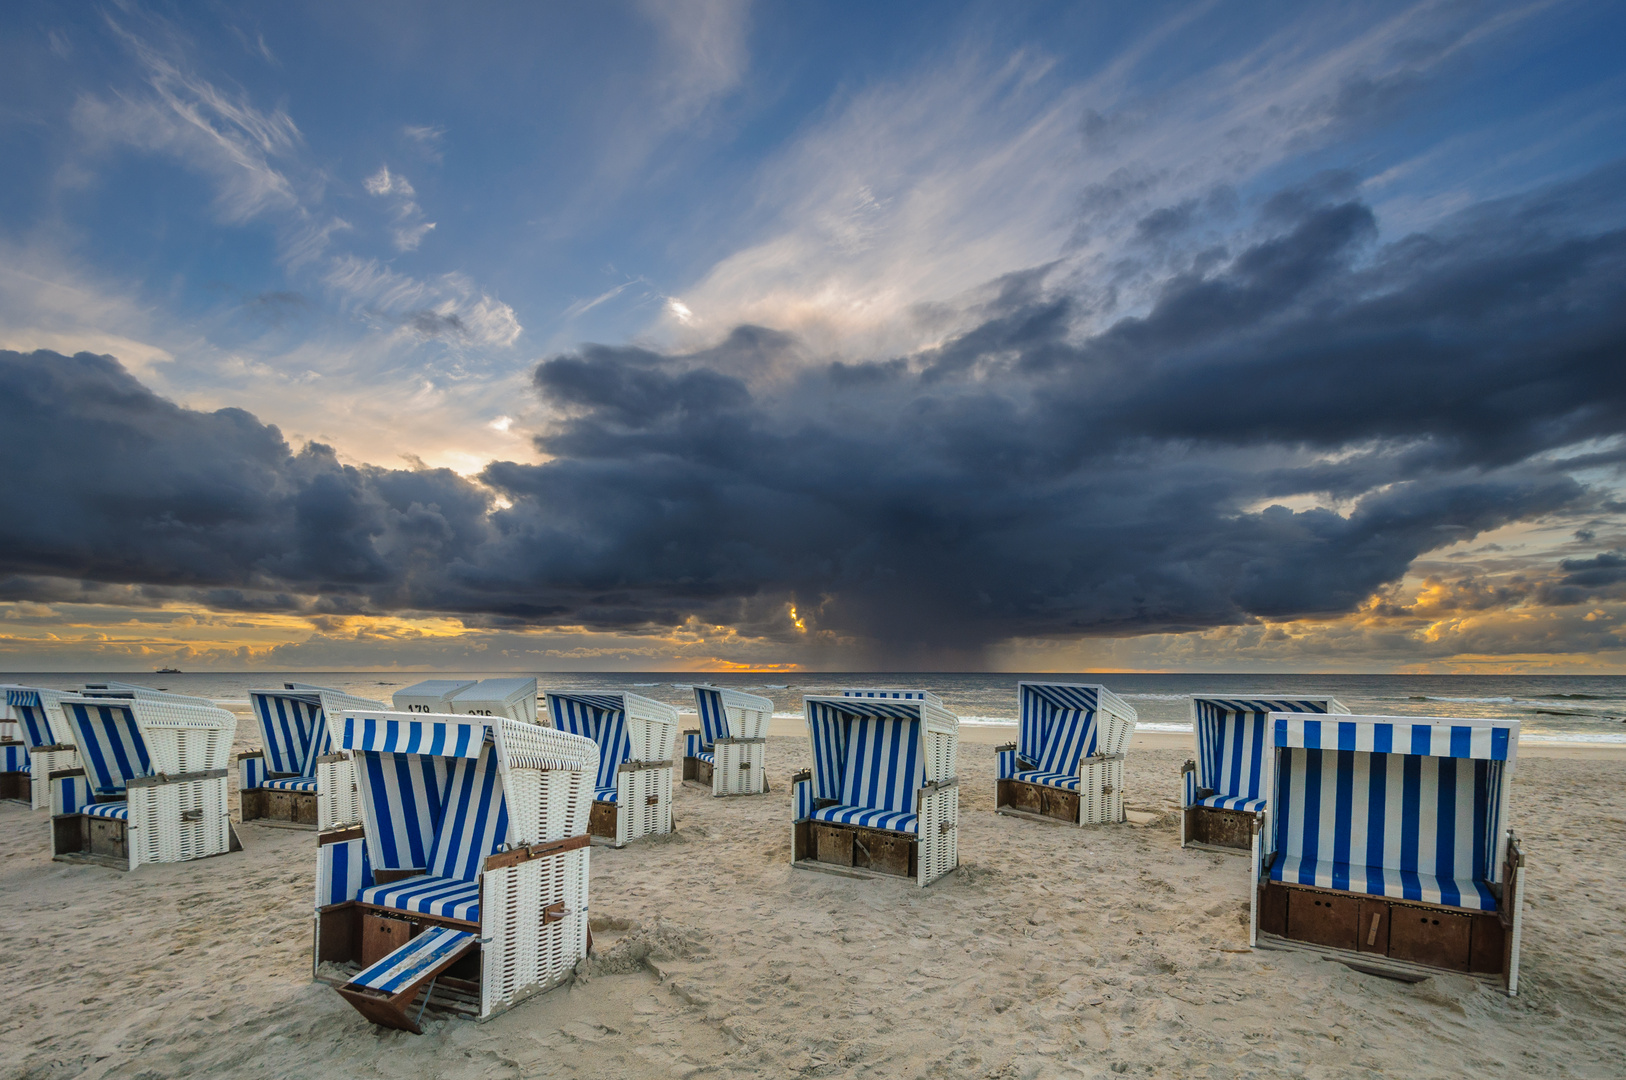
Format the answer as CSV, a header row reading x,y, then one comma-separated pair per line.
x,y
1605,738
1181,728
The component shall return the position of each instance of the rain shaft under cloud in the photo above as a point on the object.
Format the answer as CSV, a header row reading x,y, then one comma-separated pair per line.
x,y
1037,475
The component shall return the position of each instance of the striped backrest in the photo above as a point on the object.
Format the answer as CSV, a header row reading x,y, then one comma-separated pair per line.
x,y
1404,812
713,716
402,796
599,717
474,818
827,728
110,744
290,725
1233,741
1057,725
884,768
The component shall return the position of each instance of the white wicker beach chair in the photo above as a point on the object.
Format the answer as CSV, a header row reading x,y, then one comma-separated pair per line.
x,y
1391,843
467,884
632,796
298,778
1068,762
512,698
726,753
38,742
431,695
152,781
1225,792
883,795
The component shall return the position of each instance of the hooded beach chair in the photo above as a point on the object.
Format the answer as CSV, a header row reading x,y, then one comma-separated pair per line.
x,y
297,778
1225,793
512,698
883,794
151,786
467,881
38,743
1068,762
429,696
632,795
726,753
1391,843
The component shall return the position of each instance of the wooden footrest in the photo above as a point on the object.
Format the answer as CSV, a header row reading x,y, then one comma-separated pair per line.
x,y
383,991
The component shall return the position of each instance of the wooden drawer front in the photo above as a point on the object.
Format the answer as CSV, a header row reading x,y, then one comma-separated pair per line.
x,y
380,936
832,845
1023,797
1059,804
883,853
1323,918
1222,828
1372,929
1488,953
601,820
109,836
1428,936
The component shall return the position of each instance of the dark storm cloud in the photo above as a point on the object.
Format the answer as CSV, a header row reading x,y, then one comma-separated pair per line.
x,y
1021,479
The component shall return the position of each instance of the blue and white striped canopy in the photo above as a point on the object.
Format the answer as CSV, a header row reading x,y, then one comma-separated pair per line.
x,y
293,728
1057,725
110,743
602,718
1427,737
439,736
34,718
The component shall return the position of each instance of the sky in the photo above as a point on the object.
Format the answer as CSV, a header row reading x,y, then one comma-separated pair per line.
x,y
701,334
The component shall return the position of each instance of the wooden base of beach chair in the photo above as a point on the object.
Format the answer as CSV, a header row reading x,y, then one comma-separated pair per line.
x,y
1427,935
824,845
17,787
282,809
1209,827
80,838
85,839
601,821
697,772
1022,799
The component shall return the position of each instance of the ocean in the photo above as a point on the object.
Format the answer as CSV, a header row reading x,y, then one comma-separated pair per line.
x,y
1550,708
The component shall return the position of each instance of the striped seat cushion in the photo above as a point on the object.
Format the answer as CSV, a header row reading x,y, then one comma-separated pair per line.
x,y
1050,779
604,794
117,810
292,783
1383,881
870,818
425,894
707,756
1233,802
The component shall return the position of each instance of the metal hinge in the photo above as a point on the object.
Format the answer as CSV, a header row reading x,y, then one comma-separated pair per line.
x,y
944,827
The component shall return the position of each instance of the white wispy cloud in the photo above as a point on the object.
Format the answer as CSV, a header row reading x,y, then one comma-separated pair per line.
x,y
410,226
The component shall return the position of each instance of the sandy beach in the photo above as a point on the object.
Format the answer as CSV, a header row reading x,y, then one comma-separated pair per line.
x,y
1052,952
